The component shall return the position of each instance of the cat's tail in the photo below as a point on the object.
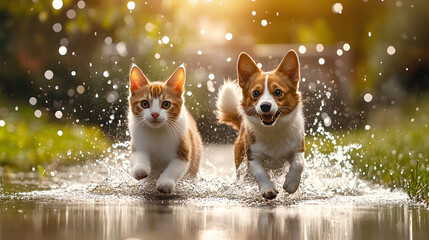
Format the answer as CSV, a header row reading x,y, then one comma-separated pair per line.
x,y
227,104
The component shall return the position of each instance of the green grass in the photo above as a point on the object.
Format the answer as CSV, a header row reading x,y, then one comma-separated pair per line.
x,y
27,142
396,156
395,151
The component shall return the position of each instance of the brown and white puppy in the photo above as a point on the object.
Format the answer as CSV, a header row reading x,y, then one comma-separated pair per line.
x,y
165,141
266,109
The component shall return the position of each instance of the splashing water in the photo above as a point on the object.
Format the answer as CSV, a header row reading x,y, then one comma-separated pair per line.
x,y
326,177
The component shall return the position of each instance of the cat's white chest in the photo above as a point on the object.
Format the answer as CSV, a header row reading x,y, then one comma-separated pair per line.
x,y
161,147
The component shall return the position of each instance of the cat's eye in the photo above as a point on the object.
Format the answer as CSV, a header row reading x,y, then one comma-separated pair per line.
x,y
145,104
278,93
255,93
166,104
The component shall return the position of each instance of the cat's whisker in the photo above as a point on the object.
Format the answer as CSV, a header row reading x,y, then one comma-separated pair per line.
x,y
175,128
169,129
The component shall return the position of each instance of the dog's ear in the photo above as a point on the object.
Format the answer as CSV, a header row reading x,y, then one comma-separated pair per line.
x,y
246,67
289,67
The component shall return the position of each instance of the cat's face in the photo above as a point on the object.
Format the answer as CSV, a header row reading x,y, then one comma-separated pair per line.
x,y
154,104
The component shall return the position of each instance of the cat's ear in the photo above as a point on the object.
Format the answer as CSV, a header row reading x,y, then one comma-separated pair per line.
x,y
177,80
137,78
289,67
246,67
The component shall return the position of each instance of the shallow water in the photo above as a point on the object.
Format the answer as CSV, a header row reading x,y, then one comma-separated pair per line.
x,y
100,200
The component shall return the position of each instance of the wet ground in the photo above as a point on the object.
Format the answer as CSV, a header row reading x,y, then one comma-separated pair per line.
x,y
99,200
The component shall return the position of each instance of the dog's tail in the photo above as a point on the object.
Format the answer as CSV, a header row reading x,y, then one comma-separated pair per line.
x,y
227,104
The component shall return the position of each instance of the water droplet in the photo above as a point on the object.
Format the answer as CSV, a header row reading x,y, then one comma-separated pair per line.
x,y
302,49
264,22
108,40
80,89
321,61
57,4
228,59
58,114
32,101
210,86
339,52
2,123
149,27
49,74
346,47
131,5
62,50
211,76
60,133
337,8
106,74
81,4
73,73
189,93
38,113
367,97
254,13
122,49
157,56
391,50
57,27
320,48
367,127
228,36
165,40
71,14
199,52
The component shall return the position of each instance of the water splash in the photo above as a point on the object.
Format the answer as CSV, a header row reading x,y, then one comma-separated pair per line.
x,y
326,177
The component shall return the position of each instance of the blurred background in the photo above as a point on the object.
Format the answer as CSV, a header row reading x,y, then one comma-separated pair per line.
x,y
64,71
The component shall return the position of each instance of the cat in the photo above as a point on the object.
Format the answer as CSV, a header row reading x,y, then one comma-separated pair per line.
x,y
164,136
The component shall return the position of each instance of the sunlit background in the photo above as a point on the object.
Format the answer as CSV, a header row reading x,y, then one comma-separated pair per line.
x,y
64,73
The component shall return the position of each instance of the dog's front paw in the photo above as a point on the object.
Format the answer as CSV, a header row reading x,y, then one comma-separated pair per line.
x,y
291,183
269,192
165,185
140,171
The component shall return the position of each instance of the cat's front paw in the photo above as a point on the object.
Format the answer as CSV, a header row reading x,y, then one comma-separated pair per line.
x,y
165,185
292,182
140,171
269,192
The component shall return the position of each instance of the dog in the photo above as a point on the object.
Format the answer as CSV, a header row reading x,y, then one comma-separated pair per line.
x,y
266,110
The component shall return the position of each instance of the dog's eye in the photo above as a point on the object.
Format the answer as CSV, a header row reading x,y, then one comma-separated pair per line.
x,y
278,93
166,104
145,104
255,93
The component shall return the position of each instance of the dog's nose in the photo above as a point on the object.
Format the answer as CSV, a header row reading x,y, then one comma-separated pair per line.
x,y
155,115
265,106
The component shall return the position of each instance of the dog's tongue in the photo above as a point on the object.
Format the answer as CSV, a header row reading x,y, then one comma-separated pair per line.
x,y
267,117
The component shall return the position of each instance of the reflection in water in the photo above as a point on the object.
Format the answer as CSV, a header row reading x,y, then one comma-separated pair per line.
x,y
100,200
124,220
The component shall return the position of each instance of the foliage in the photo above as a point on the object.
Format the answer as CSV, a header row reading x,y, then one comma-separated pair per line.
x,y
395,150
27,142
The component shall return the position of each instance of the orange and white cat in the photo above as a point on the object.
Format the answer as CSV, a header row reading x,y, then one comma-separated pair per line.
x,y
266,109
164,136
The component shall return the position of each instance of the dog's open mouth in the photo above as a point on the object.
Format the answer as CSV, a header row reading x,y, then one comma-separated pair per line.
x,y
269,119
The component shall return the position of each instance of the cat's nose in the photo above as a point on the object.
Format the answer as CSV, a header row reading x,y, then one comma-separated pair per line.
x,y
155,115
265,106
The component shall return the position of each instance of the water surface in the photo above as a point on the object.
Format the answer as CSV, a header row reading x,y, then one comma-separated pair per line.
x,y
100,200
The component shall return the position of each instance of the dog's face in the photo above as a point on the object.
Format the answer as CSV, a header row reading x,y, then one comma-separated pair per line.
x,y
269,96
